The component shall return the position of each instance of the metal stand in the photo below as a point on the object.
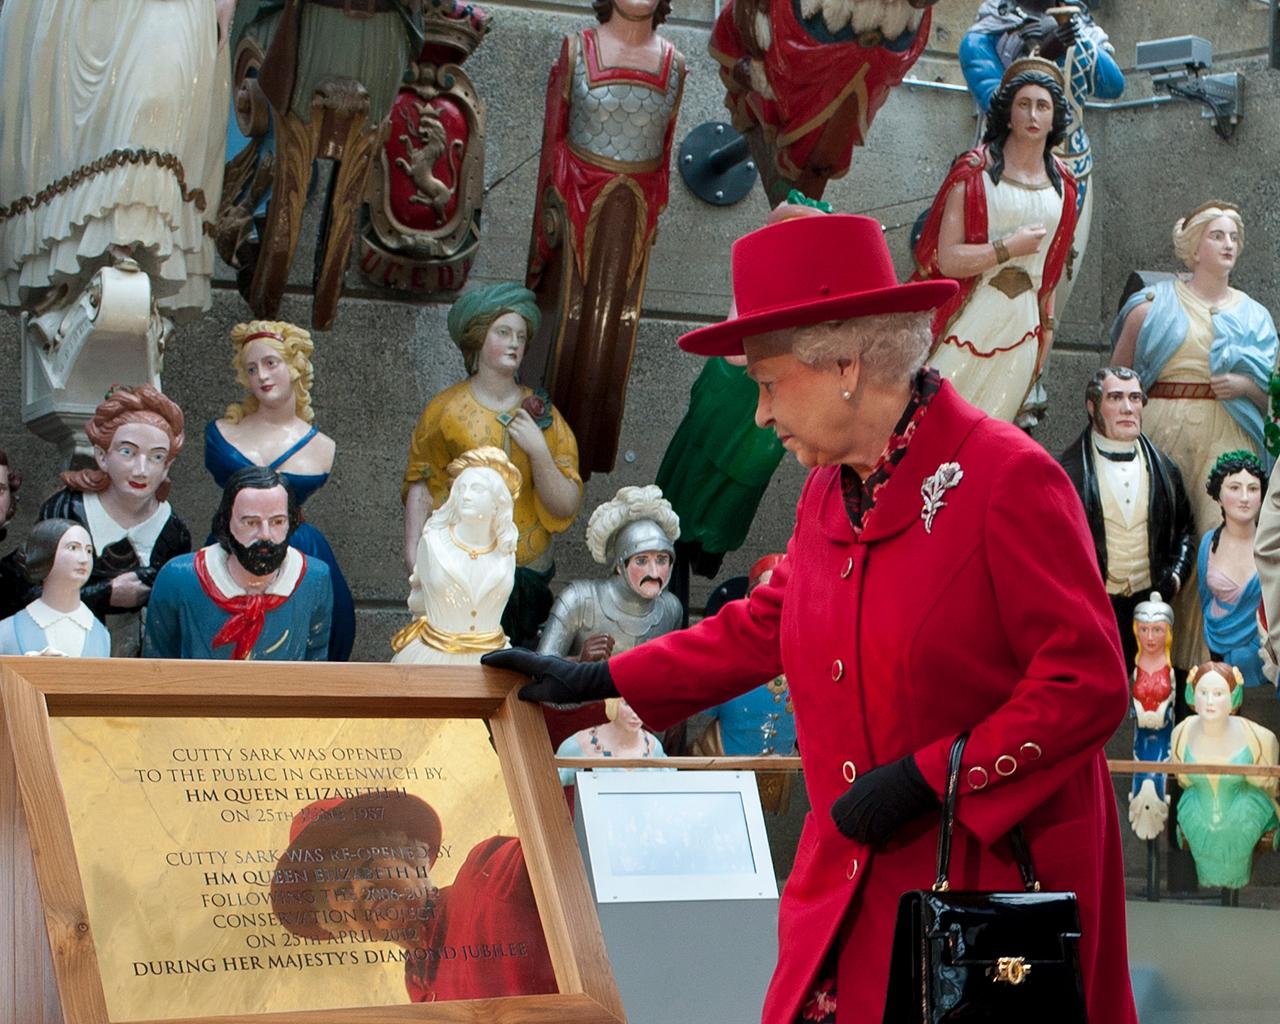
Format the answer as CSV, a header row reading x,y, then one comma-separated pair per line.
x,y
684,946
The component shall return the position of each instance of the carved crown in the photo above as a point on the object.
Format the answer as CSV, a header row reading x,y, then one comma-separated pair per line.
x,y
455,25
1032,63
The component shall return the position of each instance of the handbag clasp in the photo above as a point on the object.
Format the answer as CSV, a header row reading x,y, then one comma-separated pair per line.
x,y
1011,970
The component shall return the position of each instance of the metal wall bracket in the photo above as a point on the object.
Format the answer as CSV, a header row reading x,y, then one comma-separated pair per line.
x,y
715,163
1222,94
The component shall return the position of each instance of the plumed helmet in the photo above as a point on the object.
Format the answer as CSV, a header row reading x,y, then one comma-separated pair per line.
x,y
636,519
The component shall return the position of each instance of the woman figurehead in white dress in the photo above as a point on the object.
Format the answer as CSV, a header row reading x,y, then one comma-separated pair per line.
x,y
465,565
112,128
1002,225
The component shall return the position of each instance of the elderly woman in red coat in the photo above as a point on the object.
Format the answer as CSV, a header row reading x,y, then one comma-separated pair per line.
x,y
940,579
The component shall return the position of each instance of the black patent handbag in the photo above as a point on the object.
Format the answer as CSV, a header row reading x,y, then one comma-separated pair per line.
x,y
999,957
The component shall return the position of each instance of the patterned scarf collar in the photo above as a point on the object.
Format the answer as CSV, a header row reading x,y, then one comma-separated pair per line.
x,y
859,494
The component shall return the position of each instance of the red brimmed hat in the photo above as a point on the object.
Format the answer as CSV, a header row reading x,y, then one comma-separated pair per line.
x,y
810,270
318,835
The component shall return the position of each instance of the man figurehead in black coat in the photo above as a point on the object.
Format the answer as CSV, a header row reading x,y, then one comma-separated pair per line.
x,y
1134,499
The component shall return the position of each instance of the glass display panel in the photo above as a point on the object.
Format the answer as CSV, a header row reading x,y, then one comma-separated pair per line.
x,y
676,834
666,836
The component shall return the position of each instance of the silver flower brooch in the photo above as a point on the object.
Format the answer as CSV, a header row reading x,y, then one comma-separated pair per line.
x,y
932,490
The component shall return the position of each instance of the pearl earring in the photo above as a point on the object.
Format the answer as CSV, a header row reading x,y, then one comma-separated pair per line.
x,y
846,395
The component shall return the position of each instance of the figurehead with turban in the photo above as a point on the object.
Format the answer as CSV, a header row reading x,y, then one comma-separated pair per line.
x,y
491,327
473,313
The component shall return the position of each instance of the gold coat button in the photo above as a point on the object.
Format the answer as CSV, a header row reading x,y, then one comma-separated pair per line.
x,y
1030,751
1006,765
850,772
848,568
837,670
978,777
852,869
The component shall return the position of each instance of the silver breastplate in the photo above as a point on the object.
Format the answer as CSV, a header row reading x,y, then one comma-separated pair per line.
x,y
623,121
587,607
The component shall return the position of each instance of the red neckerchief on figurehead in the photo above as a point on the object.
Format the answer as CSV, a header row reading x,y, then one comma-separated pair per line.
x,y
248,611
968,169
860,495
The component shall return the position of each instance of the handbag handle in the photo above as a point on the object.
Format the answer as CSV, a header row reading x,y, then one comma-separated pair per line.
x,y
1017,841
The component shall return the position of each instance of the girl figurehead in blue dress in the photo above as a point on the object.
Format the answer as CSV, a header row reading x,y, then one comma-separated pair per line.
x,y
58,555
274,426
1226,573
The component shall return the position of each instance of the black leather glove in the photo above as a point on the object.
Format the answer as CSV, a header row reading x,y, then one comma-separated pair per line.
x,y
556,681
882,801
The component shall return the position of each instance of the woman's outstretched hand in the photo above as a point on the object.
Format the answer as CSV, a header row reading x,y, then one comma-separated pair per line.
x,y
556,681
880,802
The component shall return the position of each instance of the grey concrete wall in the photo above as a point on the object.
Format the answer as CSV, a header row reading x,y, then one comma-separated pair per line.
x,y
385,358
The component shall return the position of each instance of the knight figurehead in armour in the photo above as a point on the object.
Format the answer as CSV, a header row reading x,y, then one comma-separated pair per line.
x,y
635,534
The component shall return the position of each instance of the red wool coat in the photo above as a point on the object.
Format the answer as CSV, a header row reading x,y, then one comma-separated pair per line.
x,y
485,937
994,621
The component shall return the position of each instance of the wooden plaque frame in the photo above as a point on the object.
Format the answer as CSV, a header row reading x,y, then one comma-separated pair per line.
x,y
33,690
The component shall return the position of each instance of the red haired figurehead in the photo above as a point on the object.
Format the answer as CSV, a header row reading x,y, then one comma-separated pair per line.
x,y
140,404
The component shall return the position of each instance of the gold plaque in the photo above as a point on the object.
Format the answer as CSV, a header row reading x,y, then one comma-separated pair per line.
x,y
249,865
202,850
